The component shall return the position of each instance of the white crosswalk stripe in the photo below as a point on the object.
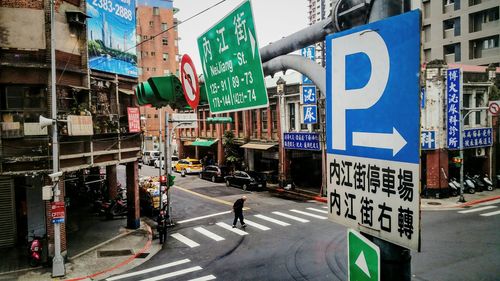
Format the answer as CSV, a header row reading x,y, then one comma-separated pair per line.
x,y
230,228
490,214
309,214
163,266
204,278
256,225
209,234
291,217
175,273
325,207
185,240
318,210
278,222
477,209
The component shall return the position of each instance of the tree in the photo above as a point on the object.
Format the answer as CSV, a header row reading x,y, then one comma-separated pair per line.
x,y
231,155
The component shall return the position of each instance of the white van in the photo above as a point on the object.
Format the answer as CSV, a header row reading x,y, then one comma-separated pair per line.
x,y
149,157
174,161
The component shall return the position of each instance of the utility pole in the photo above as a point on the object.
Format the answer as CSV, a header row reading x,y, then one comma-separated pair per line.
x,y
280,89
159,157
58,261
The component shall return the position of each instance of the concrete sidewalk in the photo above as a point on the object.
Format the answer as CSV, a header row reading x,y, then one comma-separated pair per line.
x,y
117,255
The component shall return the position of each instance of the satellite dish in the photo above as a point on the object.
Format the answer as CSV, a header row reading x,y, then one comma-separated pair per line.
x,y
44,122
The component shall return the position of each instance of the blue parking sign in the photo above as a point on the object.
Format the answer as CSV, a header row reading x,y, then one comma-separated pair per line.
x,y
309,95
373,128
310,113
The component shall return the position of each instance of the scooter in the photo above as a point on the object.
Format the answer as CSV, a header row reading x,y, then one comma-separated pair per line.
x,y
488,182
35,251
478,182
454,187
469,185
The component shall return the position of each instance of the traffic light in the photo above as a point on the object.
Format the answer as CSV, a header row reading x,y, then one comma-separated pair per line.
x,y
171,181
163,181
457,161
219,120
161,91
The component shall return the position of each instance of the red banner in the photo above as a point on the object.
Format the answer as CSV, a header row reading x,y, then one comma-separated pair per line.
x,y
134,120
57,211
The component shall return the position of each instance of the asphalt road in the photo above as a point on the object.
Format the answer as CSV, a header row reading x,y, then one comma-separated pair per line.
x,y
301,244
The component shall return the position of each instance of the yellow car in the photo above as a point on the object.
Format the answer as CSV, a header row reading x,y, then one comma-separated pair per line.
x,y
188,166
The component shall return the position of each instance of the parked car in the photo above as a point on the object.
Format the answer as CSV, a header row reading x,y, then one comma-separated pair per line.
x,y
149,157
175,159
247,180
214,173
188,166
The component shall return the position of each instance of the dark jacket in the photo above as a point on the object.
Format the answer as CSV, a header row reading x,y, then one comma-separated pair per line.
x,y
238,205
162,222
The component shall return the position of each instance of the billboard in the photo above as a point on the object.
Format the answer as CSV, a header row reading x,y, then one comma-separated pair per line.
x,y
111,36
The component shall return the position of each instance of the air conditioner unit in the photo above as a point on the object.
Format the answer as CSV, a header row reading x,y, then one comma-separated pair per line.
x,y
480,151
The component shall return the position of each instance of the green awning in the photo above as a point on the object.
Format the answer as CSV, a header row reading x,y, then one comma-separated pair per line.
x,y
201,142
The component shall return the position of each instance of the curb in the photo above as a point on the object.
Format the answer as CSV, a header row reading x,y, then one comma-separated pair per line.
x,y
121,264
312,197
478,201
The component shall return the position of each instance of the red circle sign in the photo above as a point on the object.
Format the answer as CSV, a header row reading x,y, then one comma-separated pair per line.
x,y
494,108
189,81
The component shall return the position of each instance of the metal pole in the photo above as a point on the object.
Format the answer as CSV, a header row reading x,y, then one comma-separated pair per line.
x,y
168,163
461,199
159,157
58,261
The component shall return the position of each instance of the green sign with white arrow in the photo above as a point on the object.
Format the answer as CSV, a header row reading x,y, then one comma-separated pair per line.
x,y
363,258
232,68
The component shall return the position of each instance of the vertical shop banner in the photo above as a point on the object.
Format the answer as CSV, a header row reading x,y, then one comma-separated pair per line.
x,y
453,114
428,140
134,120
111,36
310,53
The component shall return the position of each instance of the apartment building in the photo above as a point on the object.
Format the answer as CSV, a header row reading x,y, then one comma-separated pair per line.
x,y
461,31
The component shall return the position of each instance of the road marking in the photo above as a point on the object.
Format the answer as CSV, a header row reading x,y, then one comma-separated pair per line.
x,y
175,273
230,228
148,270
309,214
325,207
185,240
204,196
291,217
272,220
477,209
318,210
209,234
256,225
490,214
204,217
204,278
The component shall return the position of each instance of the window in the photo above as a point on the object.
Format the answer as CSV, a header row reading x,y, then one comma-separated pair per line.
x,y
154,69
291,115
165,56
147,68
144,54
449,2
490,43
164,41
151,24
156,11
22,97
274,118
138,38
167,72
156,116
264,119
164,26
153,54
145,37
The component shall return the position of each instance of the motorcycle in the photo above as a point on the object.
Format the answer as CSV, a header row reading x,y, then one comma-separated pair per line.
x,y
478,182
469,185
454,187
488,182
35,251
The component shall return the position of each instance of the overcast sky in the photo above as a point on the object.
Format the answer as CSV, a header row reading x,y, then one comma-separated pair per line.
x,y
274,19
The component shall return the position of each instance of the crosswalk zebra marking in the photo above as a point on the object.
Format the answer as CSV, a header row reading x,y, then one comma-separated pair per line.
x,y
204,278
325,207
175,273
477,209
291,217
318,210
309,214
209,234
278,222
490,214
185,240
163,266
230,228
256,225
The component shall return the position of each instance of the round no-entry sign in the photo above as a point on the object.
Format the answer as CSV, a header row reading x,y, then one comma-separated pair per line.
x,y
494,107
189,81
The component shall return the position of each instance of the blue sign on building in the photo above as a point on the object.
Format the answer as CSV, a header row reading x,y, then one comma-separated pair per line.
x,y
428,140
309,95
453,115
58,220
310,114
301,141
310,53
478,137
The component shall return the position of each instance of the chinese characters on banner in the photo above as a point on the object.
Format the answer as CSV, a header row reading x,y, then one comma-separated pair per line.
x,y
453,115
301,141
310,114
428,140
309,95
134,120
310,53
478,137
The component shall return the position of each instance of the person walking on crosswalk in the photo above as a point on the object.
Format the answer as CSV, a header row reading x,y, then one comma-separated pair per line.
x,y
238,211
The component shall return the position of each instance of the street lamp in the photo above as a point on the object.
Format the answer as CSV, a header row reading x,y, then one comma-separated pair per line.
x,y
470,110
280,89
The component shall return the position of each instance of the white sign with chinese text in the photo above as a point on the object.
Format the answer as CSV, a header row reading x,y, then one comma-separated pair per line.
x,y
80,125
185,120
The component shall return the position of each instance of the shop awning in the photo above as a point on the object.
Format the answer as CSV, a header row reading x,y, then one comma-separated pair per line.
x,y
260,146
202,142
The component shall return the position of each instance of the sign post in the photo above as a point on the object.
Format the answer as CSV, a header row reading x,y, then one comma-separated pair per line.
x,y
373,136
231,62
363,258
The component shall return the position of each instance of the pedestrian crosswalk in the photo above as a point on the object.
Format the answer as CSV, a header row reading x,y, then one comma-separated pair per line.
x,y
158,272
483,211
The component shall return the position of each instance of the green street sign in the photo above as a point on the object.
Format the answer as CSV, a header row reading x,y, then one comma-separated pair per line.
x,y
363,258
232,68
